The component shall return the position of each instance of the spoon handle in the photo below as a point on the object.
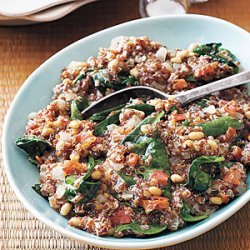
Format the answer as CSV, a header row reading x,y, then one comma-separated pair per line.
x,y
229,82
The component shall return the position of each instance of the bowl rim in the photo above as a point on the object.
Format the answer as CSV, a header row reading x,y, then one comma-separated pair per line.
x,y
168,241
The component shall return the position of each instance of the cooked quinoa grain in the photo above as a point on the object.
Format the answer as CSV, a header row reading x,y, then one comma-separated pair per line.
x,y
148,165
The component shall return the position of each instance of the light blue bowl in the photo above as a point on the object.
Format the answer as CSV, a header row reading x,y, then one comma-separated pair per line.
x,y
36,92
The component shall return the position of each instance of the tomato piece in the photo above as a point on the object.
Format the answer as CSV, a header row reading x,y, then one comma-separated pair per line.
x,y
231,107
231,133
232,177
73,167
120,218
180,84
160,177
132,159
237,152
156,203
179,117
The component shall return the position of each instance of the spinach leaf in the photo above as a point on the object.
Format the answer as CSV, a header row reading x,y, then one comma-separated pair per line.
x,y
37,188
198,179
146,108
212,50
91,165
141,145
102,115
89,190
156,149
186,123
103,80
128,179
102,126
33,146
78,78
139,229
229,53
77,106
202,103
219,126
166,192
186,216
173,108
134,135
207,49
191,78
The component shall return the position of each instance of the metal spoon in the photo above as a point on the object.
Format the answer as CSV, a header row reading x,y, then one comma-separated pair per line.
x,y
144,92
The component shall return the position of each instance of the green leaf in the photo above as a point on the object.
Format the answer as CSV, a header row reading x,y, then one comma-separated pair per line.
x,y
91,165
173,108
102,115
102,126
186,216
146,108
156,149
213,50
77,106
141,145
37,188
128,179
139,229
229,53
144,171
202,103
134,135
33,146
79,77
186,123
219,126
191,78
197,178
89,189
207,49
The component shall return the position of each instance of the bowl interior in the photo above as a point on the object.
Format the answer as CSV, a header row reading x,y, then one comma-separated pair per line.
x,y
36,93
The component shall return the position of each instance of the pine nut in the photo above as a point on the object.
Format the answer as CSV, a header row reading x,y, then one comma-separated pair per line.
x,y
75,222
213,144
215,200
188,143
74,124
74,157
146,193
47,131
182,53
134,72
247,114
176,60
196,135
175,178
65,209
96,175
155,191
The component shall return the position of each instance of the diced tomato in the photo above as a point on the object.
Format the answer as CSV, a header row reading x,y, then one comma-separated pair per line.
x,y
232,177
156,203
179,117
237,152
180,84
231,133
224,198
231,108
132,159
120,218
73,167
160,177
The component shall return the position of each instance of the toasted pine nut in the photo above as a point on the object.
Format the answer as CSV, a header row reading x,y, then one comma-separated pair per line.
x,y
134,72
213,144
247,114
155,191
47,131
176,60
74,157
65,209
215,200
146,193
175,178
74,124
96,175
75,221
196,135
